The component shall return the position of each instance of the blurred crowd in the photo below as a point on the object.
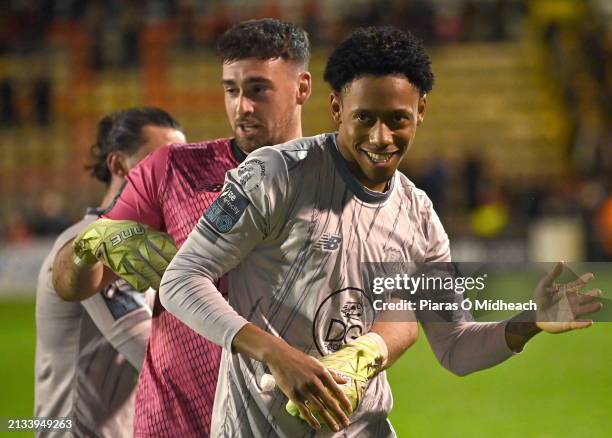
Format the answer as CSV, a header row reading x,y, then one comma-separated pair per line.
x,y
112,31
118,24
581,63
479,203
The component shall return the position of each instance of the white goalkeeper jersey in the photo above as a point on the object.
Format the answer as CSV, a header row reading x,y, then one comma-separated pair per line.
x,y
88,353
293,226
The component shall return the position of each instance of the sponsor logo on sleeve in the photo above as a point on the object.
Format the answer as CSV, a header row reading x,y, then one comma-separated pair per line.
x,y
251,173
227,209
121,299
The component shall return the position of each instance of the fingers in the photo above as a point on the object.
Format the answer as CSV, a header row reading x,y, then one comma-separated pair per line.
x,y
581,324
331,404
155,256
554,273
585,309
578,283
330,383
584,303
307,415
589,296
163,244
314,402
140,275
339,379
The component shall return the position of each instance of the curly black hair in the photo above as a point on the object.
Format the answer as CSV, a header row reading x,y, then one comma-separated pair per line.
x,y
379,51
267,38
122,131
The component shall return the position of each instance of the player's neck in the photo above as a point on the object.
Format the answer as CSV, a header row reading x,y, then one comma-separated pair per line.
x,y
356,171
294,130
113,190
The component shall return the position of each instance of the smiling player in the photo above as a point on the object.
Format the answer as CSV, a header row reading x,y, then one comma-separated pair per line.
x,y
266,82
292,226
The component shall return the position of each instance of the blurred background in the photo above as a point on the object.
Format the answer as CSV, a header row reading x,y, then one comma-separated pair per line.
x,y
515,150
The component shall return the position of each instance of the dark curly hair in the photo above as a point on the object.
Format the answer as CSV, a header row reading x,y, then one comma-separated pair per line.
x,y
379,51
122,131
268,38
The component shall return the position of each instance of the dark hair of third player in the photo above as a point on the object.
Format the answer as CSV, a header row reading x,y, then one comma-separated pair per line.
x,y
267,38
379,51
122,131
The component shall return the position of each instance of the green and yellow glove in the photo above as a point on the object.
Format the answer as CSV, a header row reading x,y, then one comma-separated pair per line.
x,y
357,362
131,250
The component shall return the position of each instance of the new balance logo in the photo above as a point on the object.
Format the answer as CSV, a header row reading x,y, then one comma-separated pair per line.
x,y
328,242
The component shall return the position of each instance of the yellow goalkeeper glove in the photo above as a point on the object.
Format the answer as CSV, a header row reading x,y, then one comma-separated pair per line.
x,y
131,250
357,362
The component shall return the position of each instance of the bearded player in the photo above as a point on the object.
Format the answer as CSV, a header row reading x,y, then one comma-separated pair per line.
x,y
293,225
266,82
88,354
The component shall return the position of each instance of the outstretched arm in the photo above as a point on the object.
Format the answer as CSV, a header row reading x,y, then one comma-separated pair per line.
x,y
463,346
466,346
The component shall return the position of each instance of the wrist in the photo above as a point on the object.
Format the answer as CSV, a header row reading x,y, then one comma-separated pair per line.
x,y
274,350
81,256
83,261
259,344
520,329
374,338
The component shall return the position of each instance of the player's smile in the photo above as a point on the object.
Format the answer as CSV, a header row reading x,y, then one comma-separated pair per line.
x,y
379,157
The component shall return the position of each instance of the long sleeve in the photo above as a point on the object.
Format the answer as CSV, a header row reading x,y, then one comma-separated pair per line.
x,y
468,346
124,318
241,218
460,344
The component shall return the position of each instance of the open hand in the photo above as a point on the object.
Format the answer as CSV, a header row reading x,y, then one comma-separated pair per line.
x,y
562,306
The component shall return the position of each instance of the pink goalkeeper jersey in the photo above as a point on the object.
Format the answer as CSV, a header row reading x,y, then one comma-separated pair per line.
x,y
169,191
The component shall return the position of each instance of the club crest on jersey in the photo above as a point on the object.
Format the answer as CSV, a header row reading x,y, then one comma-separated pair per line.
x,y
251,173
342,317
227,209
393,255
328,242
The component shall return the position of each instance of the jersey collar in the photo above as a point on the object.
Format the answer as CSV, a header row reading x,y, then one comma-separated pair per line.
x,y
238,153
95,211
358,189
